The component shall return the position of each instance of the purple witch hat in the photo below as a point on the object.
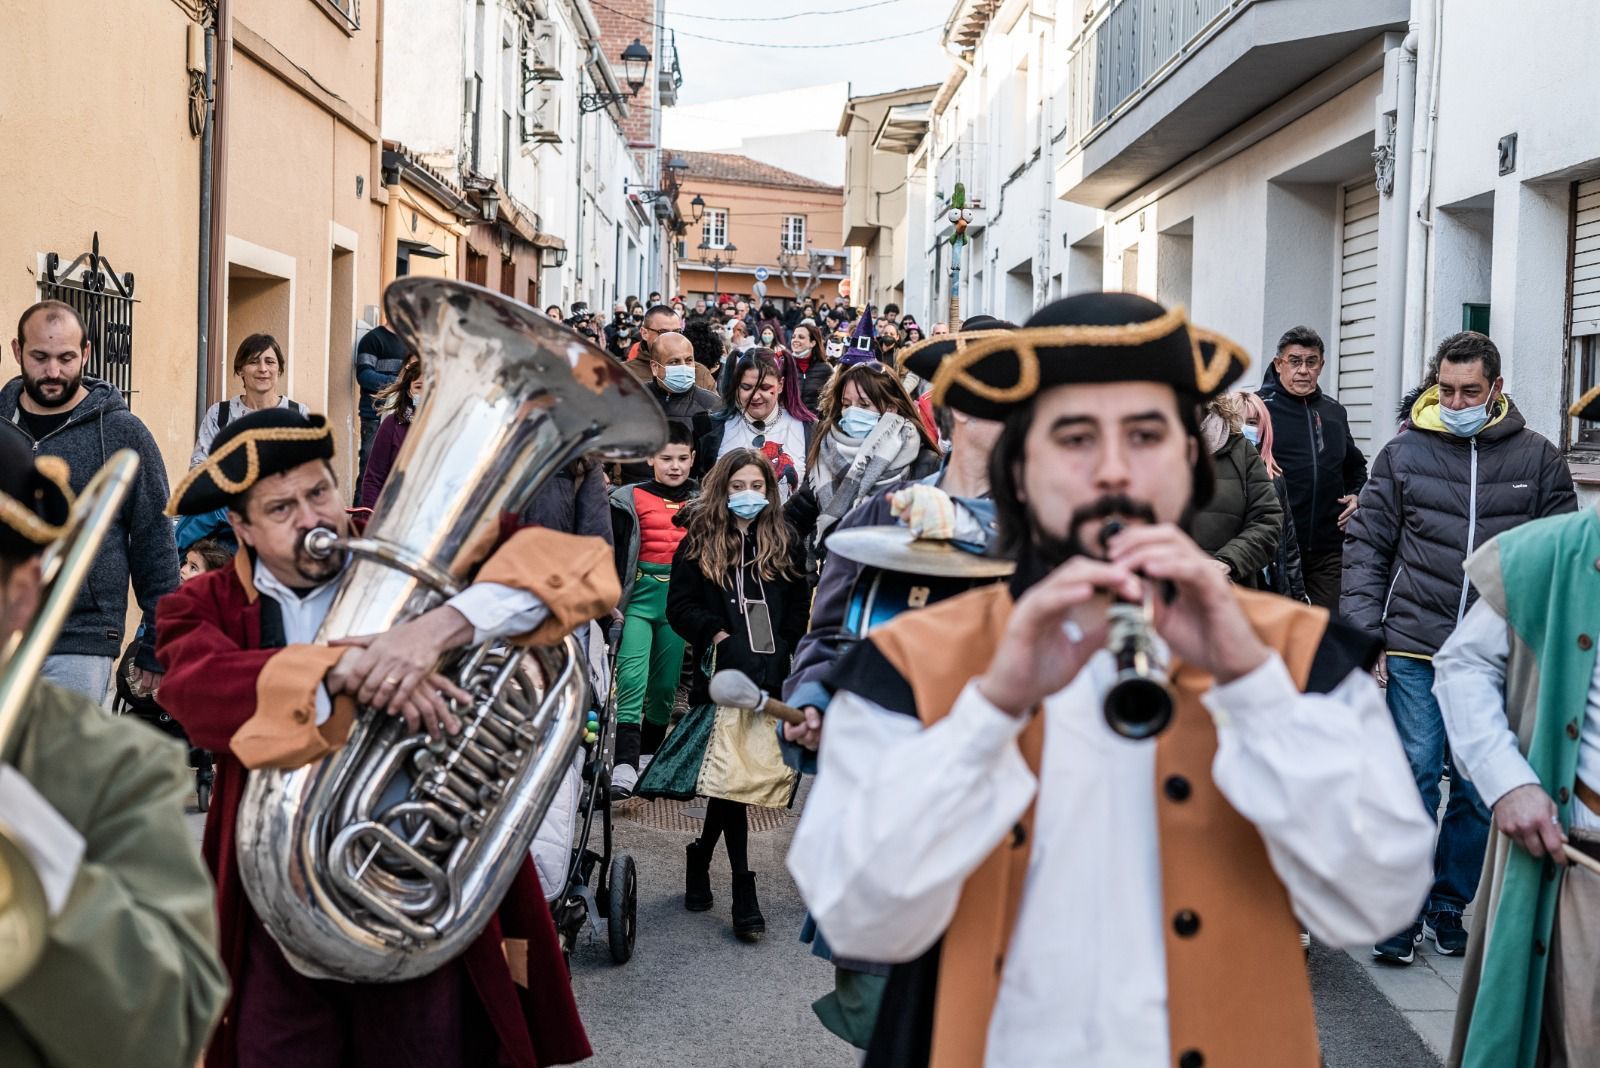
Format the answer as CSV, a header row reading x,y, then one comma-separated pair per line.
x,y
863,341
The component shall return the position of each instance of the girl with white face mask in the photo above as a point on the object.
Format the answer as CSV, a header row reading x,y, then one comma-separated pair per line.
x,y
739,596
870,437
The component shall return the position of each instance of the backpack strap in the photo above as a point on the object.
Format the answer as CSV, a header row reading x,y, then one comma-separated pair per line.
x,y
224,413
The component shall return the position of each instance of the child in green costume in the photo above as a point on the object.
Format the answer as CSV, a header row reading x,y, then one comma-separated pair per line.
x,y
650,658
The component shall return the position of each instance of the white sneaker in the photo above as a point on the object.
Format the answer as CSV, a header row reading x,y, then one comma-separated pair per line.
x,y
624,777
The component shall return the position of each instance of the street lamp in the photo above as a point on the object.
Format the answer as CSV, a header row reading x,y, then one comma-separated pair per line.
x,y
717,263
635,62
697,208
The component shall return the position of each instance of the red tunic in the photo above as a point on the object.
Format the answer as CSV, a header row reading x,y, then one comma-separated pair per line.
x,y
208,637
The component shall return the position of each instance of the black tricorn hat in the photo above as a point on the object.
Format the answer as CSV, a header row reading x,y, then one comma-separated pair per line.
x,y
923,358
1088,338
268,442
35,499
1587,407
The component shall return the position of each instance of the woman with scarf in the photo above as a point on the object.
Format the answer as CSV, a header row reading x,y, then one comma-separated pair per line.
x,y
737,594
1242,523
870,437
1283,574
806,352
761,409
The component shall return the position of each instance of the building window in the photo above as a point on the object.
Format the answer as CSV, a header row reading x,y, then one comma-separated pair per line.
x,y
1583,328
714,231
794,233
347,13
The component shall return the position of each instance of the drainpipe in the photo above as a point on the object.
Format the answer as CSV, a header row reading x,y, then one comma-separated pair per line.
x,y
1043,63
1388,381
217,235
1420,222
202,345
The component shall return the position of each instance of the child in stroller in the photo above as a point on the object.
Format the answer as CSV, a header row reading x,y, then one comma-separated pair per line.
x,y
207,554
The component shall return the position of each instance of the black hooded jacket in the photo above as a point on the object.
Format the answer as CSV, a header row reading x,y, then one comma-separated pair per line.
x,y
1312,444
1434,498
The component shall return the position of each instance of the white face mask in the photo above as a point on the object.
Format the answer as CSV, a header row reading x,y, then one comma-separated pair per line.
x,y
1252,434
1466,422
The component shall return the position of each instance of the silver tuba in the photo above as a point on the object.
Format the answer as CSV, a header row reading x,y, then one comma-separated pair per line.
x,y
386,858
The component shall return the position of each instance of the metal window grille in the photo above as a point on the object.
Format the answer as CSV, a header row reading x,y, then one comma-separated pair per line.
x,y
104,300
794,233
714,232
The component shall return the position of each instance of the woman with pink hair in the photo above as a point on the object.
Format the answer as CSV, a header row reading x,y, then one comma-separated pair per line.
x,y
1283,573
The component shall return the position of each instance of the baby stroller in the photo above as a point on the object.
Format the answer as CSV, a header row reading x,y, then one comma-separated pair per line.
x,y
132,701
564,851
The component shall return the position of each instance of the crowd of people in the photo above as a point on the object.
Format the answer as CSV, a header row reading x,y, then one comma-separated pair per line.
x,y
997,875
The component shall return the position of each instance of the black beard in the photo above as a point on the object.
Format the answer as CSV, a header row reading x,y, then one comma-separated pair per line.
x,y
1052,551
31,388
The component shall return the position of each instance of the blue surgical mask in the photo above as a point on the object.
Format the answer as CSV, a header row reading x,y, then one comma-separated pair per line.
x,y
858,422
678,379
1466,422
1252,434
746,504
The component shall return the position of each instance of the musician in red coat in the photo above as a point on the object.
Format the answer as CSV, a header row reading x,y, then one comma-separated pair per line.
x,y
245,681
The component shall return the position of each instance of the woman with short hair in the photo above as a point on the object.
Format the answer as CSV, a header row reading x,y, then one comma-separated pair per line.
x,y
260,365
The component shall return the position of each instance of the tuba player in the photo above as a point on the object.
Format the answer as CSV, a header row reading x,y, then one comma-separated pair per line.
x,y
245,680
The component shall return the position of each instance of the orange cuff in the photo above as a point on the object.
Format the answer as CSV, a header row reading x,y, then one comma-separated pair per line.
x,y
284,733
574,576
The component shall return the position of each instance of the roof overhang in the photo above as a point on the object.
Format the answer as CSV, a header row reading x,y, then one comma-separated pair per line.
x,y
903,128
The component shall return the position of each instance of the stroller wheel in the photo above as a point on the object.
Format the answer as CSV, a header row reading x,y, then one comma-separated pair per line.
x,y
622,908
202,796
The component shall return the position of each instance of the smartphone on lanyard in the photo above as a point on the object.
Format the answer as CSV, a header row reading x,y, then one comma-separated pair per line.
x,y
757,619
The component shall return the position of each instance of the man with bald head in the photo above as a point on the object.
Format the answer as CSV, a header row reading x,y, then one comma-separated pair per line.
x,y
672,383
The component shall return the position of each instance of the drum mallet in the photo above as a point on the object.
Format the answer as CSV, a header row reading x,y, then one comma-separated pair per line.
x,y
735,689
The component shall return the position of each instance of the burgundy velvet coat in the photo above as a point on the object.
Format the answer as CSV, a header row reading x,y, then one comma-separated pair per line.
x,y
208,638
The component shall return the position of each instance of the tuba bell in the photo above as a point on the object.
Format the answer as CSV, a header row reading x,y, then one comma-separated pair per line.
x,y
386,858
64,565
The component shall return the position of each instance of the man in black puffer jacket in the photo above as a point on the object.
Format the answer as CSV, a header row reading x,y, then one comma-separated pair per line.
x,y
1323,469
1464,468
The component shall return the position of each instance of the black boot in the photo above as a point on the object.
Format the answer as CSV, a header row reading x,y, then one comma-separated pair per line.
x,y
625,762
748,923
697,878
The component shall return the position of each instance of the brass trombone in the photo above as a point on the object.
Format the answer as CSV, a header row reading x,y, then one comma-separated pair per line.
x,y
24,917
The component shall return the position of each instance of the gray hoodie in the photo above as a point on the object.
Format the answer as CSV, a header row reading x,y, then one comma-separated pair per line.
x,y
140,541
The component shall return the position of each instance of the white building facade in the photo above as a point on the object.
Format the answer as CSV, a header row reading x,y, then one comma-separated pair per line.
x,y
1387,172
487,93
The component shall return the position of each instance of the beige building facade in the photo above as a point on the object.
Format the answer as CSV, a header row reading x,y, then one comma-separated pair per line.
x,y
877,197
103,117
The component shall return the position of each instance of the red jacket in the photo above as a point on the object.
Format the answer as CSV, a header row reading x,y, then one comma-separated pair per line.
x,y
208,638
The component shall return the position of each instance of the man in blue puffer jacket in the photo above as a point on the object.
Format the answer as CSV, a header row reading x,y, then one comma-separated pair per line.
x,y
1465,468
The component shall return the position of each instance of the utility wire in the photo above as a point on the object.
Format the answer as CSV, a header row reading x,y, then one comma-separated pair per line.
x,y
783,18
763,44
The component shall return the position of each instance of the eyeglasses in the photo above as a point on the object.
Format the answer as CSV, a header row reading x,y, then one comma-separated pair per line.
x,y
1303,365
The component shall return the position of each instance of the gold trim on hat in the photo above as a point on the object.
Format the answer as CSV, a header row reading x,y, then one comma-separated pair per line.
x,y
212,465
902,362
24,520
1026,342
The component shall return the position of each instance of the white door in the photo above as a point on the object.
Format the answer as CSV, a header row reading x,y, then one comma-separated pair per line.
x,y
1358,310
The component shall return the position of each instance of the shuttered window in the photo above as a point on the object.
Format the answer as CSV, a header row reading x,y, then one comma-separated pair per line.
x,y
1358,308
1584,325
1586,261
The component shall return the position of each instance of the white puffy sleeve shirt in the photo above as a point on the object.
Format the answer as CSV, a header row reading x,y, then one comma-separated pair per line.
x,y
900,815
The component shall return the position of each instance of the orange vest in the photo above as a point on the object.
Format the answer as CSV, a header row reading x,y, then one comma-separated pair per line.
x,y
1237,989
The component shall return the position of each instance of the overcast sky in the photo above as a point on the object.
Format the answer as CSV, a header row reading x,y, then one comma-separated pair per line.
x,y
734,65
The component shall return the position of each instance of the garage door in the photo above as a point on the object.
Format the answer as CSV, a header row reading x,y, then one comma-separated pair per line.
x,y
1358,309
